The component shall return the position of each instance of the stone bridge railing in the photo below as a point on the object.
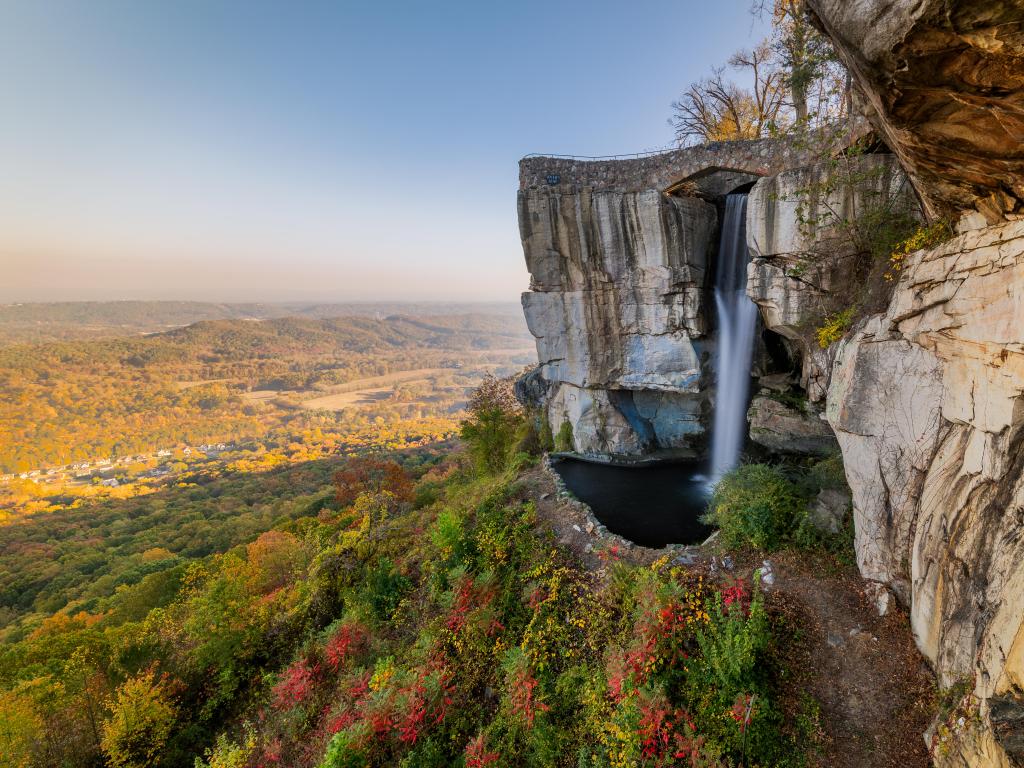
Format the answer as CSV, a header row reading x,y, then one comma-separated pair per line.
x,y
660,171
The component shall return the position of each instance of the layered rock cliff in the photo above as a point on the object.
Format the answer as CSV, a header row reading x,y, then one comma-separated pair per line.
x,y
927,401
621,256
802,251
617,308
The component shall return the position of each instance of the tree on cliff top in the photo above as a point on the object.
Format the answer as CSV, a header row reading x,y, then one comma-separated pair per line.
x,y
796,81
717,109
818,85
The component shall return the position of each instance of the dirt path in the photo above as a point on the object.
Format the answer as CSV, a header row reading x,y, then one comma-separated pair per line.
x,y
874,689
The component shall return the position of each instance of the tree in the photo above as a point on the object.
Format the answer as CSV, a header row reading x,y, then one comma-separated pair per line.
x,y
495,418
717,109
140,721
796,80
21,730
818,85
364,474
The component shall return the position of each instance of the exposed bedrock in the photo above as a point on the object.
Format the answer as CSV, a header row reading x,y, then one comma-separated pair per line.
x,y
927,401
784,428
800,253
945,80
617,309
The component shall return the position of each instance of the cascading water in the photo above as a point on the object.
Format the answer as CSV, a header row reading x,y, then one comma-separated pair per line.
x,y
737,321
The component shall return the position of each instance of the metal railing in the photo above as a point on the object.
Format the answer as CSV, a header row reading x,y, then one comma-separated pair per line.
x,y
633,156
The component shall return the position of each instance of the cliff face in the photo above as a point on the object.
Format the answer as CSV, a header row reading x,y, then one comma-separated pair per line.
x,y
927,401
801,250
617,307
620,274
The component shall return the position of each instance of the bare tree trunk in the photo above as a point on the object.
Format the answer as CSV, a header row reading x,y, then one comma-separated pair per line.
x,y
799,95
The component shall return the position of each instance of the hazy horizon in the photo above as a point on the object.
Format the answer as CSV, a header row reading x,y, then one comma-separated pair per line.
x,y
216,151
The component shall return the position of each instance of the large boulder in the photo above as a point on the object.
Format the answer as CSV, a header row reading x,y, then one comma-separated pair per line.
x,y
945,80
788,429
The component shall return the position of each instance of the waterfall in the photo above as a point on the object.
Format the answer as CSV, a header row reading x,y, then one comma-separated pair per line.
x,y
737,321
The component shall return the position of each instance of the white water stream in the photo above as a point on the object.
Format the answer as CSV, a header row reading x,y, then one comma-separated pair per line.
x,y
737,322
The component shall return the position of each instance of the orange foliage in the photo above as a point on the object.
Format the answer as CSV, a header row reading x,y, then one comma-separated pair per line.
x,y
367,474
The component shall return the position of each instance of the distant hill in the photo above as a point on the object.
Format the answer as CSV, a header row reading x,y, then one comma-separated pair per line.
x,y
35,323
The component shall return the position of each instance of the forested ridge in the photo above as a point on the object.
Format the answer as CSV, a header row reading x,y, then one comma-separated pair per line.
x,y
33,323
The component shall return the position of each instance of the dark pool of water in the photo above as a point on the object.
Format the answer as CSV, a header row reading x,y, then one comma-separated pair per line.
x,y
649,505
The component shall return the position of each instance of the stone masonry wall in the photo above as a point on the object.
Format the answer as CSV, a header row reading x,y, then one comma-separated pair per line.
x,y
761,157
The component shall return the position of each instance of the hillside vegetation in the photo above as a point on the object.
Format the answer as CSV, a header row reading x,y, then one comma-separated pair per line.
x,y
417,614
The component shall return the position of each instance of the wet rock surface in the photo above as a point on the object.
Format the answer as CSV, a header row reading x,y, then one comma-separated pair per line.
x,y
617,308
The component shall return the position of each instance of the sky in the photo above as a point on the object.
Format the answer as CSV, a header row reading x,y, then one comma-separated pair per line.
x,y
323,151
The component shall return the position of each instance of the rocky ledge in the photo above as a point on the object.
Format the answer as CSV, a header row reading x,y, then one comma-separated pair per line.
x,y
927,402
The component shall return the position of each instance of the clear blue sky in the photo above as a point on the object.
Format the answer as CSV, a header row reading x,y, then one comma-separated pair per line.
x,y
205,149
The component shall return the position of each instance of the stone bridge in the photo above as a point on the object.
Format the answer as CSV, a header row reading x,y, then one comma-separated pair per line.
x,y
620,271
662,171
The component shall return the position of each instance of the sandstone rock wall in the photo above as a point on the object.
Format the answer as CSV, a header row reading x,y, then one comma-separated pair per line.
x,y
927,402
801,249
617,308
945,79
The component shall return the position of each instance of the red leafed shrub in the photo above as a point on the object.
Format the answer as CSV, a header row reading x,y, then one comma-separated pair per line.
x,y
461,606
360,686
295,685
428,699
521,689
655,728
736,594
666,734
477,755
348,640
272,752
340,721
743,710
470,604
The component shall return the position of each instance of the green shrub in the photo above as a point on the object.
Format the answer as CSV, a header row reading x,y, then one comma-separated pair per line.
x,y
534,437
547,439
384,590
828,473
494,424
756,505
564,439
730,683
344,751
731,645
